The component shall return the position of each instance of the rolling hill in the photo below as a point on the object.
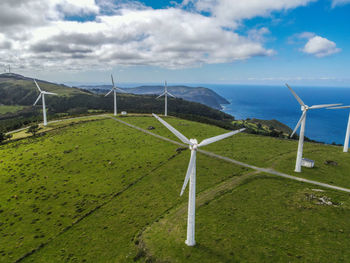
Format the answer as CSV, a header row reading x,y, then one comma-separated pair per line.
x,y
100,191
19,91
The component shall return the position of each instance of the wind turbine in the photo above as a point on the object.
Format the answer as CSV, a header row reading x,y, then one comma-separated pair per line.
x,y
165,94
42,95
114,89
304,109
346,142
191,173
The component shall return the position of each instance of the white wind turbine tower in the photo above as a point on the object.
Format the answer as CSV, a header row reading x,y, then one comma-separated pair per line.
x,y
165,94
42,95
114,89
346,142
304,109
191,174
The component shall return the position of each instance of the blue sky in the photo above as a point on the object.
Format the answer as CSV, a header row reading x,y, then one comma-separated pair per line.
x,y
302,42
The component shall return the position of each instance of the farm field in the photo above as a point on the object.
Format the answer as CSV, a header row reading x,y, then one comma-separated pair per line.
x,y
99,191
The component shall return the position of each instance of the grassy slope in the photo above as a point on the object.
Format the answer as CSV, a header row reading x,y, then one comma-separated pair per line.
x,y
53,125
9,108
265,126
262,220
29,85
263,151
269,216
48,183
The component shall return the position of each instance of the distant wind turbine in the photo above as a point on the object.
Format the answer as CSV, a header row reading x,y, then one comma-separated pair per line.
x,y
191,173
42,95
304,109
114,89
165,94
346,142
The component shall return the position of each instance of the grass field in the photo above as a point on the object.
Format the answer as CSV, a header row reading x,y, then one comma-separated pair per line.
x,y
10,108
52,125
263,220
99,191
262,151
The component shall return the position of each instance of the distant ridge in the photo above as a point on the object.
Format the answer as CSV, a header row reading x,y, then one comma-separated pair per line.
x,y
196,94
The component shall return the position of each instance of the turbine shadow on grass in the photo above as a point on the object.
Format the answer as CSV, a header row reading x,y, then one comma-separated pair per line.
x,y
42,245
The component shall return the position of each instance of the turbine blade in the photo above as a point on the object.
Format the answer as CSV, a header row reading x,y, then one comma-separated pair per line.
x,y
341,107
109,92
171,94
37,85
173,130
161,95
49,93
219,137
299,122
323,106
119,89
112,80
295,95
191,165
37,100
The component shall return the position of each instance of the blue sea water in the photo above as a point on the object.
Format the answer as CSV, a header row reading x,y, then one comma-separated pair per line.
x,y
277,102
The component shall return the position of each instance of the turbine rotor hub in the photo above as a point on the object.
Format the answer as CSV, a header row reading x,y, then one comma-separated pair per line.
x,y
304,108
194,145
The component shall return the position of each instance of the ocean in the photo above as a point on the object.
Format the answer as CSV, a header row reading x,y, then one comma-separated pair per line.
x,y
277,102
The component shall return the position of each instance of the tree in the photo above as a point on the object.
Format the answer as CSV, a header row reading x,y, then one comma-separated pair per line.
x,y
33,129
4,137
259,126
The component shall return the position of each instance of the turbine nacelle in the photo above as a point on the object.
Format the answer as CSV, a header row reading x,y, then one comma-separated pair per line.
x,y
194,144
304,107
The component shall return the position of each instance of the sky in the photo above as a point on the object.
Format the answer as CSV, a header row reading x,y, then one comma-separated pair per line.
x,y
266,42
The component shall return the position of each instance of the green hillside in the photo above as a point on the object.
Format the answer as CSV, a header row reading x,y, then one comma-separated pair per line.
x,y
10,108
100,191
19,91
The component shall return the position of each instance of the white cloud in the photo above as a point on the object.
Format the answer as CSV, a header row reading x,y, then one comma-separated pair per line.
x,y
336,3
72,7
132,35
258,34
35,33
306,35
320,47
229,11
